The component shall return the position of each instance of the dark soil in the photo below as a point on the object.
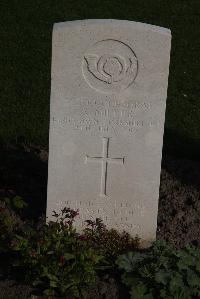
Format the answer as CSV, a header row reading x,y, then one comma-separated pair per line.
x,y
10,290
105,288
23,172
179,202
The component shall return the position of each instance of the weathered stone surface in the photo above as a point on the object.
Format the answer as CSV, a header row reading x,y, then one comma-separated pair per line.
x,y
108,97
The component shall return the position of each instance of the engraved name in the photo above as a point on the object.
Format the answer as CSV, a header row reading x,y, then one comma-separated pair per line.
x,y
106,116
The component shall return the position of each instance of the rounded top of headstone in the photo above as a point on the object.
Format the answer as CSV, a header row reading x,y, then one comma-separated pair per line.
x,y
106,22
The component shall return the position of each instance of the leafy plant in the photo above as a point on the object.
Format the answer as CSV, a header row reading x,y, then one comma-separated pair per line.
x,y
162,272
109,242
55,258
10,221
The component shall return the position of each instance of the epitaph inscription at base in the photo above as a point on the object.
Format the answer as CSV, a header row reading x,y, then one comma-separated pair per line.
x,y
108,97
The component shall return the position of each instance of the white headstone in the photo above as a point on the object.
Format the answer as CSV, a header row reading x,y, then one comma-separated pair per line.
x,y
108,97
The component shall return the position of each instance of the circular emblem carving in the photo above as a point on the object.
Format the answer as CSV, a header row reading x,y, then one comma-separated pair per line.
x,y
110,66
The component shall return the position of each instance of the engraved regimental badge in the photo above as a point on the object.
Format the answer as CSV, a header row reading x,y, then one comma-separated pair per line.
x,y
110,66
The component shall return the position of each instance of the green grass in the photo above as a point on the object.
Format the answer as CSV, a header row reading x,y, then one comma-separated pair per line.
x,y
25,59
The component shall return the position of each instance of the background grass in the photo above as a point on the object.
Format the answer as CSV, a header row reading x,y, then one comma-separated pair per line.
x,y
25,59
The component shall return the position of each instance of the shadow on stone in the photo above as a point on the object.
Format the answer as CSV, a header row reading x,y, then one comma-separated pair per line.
x,y
23,172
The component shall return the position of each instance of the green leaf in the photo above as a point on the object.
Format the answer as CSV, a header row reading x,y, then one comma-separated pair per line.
x,y
53,284
49,292
176,283
128,261
36,282
193,279
162,277
7,200
198,266
69,256
67,286
19,203
196,292
50,252
140,291
129,279
163,294
181,294
189,259
52,277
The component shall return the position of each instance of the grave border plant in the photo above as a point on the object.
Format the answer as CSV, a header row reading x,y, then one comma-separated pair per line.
x,y
49,254
55,258
161,272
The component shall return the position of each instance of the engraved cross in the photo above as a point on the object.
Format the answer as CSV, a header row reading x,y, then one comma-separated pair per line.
x,y
104,160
